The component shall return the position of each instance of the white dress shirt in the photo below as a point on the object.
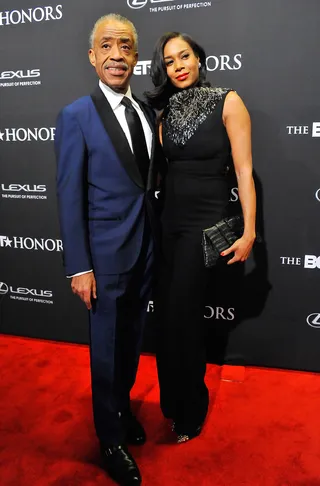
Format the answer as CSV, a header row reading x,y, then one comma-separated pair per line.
x,y
114,100
119,110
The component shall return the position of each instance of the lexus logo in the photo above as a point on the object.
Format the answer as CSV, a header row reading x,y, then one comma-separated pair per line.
x,y
318,195
38,296
137,3
20,74
24,188
314,320
4,289
142,3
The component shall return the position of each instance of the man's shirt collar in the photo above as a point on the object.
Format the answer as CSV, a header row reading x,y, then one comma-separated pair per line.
x,y
115,98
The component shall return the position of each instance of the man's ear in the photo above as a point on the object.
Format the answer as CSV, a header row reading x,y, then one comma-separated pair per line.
x,y
92,57
136,59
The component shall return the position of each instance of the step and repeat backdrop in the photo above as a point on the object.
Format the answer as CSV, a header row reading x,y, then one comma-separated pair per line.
x,y
266,313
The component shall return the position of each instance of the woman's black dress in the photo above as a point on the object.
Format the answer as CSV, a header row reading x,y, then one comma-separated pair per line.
x,y
197,147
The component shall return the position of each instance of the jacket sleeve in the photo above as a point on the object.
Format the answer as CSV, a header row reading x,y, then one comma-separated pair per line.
x,y
71,155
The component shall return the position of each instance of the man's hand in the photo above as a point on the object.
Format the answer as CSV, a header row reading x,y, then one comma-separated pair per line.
x,y
85,286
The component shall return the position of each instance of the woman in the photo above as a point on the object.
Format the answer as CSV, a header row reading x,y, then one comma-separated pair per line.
x,y
199,128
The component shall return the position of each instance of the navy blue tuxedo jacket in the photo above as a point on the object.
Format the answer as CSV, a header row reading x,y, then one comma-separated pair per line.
x,y
103,203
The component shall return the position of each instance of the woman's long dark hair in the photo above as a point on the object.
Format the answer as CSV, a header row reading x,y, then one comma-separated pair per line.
x,y
163,88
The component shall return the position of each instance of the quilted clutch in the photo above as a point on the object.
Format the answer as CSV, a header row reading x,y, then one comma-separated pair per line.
x,y
220,237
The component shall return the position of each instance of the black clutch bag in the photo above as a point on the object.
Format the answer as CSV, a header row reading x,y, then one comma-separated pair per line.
x,y
220,237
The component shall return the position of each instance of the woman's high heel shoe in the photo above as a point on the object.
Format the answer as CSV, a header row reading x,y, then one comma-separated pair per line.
x,y
186,433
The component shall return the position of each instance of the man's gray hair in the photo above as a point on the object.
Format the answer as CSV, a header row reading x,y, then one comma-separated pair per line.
x,y
118,18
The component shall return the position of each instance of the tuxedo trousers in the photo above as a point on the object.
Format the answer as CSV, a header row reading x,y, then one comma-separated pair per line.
x,y
116,330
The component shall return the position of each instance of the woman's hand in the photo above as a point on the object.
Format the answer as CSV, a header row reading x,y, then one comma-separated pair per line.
x,y
241,248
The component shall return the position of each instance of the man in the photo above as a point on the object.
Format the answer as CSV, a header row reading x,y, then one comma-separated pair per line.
x,y
107,156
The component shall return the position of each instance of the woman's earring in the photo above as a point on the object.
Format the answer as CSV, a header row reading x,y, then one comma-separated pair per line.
x,y
199,65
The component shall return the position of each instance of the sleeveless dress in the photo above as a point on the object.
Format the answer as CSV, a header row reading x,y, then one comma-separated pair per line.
x,y
197,147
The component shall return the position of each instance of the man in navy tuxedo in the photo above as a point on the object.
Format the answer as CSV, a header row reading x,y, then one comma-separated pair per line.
x,y
107,166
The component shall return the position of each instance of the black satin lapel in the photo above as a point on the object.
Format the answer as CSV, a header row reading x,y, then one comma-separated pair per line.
x,y
117,136
151,122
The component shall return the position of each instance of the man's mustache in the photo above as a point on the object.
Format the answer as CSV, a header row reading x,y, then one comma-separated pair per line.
x,y
117,65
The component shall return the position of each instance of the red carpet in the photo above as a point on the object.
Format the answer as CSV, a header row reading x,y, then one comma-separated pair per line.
x,y
263,428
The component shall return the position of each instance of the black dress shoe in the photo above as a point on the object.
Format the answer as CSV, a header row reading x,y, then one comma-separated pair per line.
x,y
121,466
135,433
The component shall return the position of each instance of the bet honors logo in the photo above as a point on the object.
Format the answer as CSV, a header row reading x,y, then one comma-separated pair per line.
x,y
42,134
29,15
